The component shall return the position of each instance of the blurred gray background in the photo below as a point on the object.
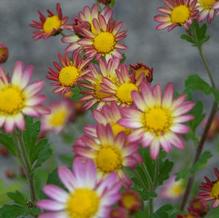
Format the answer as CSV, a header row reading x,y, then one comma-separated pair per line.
x,y
171,58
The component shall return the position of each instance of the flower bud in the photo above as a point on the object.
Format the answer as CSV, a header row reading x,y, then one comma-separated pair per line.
x,y
3,53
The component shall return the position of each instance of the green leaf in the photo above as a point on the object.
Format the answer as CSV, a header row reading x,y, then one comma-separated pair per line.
x,y
54,179
12,211
167,211
196,35
18,197
196,83
76,93
40,153
8,142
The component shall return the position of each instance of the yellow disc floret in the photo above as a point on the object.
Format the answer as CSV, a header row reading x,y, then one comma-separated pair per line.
x,y
83,203
51,23
117,128
158,120
68,75
11,100
207,4
104,42
124,92
177,188
180,14
109,159
215,190
58,117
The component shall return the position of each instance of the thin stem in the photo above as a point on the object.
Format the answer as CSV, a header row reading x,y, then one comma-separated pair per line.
x,y
205,63
151,207
205,133
26,166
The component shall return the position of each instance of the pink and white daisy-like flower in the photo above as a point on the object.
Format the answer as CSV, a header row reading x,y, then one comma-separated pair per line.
x,y
111,114
18,98
85,21
173,188
85,195
60,113
110,153
176,13
68,72
104,39
49,25
157,120
120,91
207,9
210,190
93,82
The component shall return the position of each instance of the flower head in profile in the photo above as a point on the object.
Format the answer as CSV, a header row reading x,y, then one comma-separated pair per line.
x,y
49,25
84,195
110,153
198,207
3,53
120,91
60,113
210,190
142,72
176,13
173,188
67,73
93,80
84,20
157,120
19,98
111,114
207,9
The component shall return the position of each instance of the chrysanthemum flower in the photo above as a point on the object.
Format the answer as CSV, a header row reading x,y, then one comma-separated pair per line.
x,y
157,121
85,195
210,190
93,82
110,153
173,188
142,72
131,200
198,207
84,20
120,91
60,113
68,72
176,13
17,98
49,25
207,9
111,114
104,39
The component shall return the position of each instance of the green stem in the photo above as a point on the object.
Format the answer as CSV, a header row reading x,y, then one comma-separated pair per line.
x,y
23,157
205,132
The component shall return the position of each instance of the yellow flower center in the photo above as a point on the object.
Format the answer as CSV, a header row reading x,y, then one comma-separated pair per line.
x,y
83,203
215,190
180,14
124,92
51,23
158,120
207,4
104,42
177,188
58,117
11,100
128,201
117,128
68,75
142,70
109,159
